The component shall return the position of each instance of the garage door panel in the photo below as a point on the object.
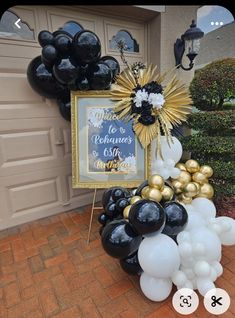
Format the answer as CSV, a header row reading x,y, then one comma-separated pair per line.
x,y
29,110
41,193
25,148
16,88
18,65
57,19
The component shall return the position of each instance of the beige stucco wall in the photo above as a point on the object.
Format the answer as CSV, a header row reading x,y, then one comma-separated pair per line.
x,y
163,32
217,44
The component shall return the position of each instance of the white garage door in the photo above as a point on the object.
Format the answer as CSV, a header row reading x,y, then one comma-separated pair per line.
x,y
35,151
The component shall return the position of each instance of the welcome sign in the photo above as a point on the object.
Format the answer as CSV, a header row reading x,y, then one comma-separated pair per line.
x,y
105,150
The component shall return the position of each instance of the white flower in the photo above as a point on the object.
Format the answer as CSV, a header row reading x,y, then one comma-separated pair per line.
x,y
141,95
157,100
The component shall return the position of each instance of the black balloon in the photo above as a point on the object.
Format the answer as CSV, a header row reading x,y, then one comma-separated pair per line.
x,y
119,193
86,46
45,38
65,109
112,63
111,210
106,198
119,239
140,187
103,218
100,76
131,264
66,70
42,80
63,44
121,204
49,55
176,218
147,216
82,84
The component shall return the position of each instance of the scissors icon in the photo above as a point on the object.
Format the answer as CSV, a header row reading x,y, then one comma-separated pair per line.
x,y
216,301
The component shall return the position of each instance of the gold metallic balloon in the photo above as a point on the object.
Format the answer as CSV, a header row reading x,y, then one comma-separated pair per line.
x,y
199,178
190,190
126,211
198,186
156,181
206,191
181,166
178,186
207,171
167,193
184,199
154,194
144,192
192,166
135,199
184,177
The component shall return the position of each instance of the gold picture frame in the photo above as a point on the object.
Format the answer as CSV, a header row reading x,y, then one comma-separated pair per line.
x,y
94,133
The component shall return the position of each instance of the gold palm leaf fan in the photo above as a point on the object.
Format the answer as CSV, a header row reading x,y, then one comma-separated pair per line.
x,y
140,95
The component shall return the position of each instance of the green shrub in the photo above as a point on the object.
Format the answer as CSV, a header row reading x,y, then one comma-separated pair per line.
x,y
214,84
212,122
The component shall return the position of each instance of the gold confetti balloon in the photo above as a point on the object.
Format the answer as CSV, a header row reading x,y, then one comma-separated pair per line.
x,y
135,199
206,191
184,177
181,166
192,166
156,181
154,194
207,171
167,193
190,190
199,178
126,211
178,186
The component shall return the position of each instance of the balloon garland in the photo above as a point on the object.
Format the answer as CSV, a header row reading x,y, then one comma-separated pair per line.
x,y
70,62
162,236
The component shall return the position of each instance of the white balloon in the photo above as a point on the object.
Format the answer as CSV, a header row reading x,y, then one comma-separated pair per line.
x,y
213,274
159,163
204,285
189,273
216,228
210,241
155,289
217,267
159,256
174,172
188,284
170,162
185,250
179,278
174,151
164,172
189,208
227,237
194,220
198,249
204,207
202,268
183,236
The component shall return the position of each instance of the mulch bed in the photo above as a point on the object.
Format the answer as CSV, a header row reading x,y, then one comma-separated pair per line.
x,y
225,206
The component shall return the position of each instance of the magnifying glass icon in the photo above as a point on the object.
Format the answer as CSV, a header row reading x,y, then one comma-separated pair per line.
x,y
185,301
